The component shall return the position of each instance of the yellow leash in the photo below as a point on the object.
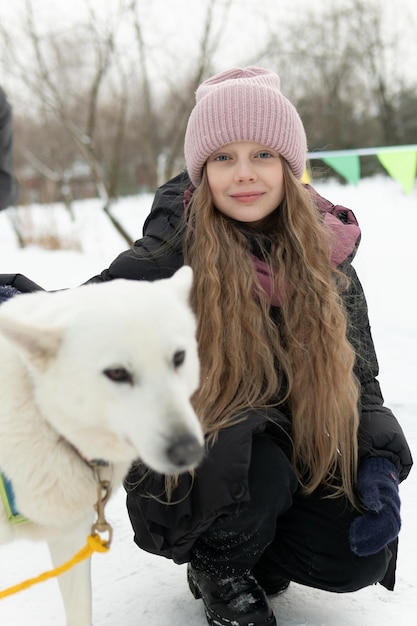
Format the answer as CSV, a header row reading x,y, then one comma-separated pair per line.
x,y
94,544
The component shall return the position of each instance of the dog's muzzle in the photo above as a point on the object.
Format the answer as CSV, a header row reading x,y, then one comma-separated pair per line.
x,y
185,451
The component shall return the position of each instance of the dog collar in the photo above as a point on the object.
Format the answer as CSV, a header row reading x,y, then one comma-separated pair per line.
x,y
93,463
8,499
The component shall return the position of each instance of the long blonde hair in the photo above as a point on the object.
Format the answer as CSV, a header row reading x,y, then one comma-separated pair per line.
x,y
248,360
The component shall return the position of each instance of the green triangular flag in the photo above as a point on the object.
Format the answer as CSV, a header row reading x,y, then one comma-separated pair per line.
x,y
347,166
402,166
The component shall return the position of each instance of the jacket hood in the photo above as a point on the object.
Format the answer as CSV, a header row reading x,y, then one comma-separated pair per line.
x,y
343,226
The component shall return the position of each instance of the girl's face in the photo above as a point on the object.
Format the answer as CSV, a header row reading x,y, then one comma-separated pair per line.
x,y
246,181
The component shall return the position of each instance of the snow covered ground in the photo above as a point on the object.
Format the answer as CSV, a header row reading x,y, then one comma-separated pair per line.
x,y
133,588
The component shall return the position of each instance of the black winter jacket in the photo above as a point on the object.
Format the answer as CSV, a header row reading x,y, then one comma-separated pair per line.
x,y
222,479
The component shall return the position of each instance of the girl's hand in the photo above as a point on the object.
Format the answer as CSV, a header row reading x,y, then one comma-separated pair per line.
x,y
381,523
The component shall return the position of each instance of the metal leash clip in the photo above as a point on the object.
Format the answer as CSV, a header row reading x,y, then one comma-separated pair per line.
x,y
104,490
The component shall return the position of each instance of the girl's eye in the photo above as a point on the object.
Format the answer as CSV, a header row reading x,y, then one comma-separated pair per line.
x,y
221,157
264,155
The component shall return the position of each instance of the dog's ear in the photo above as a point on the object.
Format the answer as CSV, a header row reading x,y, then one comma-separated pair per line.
x,y
38,344
182,282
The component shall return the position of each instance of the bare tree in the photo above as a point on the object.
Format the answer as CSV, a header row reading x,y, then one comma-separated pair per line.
x,y
316,58
341,67
377,46
163,139
83,78
59,80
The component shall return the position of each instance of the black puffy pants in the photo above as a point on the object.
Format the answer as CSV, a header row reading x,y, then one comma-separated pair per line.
x,y
301,538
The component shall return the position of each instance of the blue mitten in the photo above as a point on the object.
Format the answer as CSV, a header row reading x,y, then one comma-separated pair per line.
x,y
381,522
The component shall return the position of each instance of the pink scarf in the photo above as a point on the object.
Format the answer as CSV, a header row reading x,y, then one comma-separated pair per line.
x,y
344,234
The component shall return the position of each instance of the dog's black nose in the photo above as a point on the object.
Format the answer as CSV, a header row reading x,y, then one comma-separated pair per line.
x,y
185,450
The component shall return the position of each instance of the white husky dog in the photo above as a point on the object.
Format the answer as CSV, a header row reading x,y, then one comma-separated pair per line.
x,y
102,371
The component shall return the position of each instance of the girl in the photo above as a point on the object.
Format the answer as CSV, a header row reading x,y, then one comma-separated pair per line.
x,y
300,479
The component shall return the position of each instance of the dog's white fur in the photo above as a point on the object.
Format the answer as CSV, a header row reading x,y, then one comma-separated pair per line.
x,y
93,372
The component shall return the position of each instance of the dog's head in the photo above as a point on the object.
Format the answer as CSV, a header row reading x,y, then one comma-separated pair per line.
x,y
114,366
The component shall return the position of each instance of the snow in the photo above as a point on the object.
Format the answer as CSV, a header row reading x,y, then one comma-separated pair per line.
x,y
131,587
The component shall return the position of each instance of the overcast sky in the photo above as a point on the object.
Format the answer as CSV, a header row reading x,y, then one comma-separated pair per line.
x,y
176,23
172,30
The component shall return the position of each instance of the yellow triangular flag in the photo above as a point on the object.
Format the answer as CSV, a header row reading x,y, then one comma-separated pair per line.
x,y
306,178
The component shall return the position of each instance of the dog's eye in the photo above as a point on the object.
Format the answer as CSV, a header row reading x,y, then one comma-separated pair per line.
x,y
118,375
179,358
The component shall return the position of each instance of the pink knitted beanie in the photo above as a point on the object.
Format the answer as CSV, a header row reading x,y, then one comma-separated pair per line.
x,y
243,105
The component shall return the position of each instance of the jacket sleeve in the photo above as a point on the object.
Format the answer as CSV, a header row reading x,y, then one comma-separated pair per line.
x,y
20,282
158,254
9,189
380,433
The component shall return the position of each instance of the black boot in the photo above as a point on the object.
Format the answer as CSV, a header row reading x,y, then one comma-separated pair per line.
x,y
236,600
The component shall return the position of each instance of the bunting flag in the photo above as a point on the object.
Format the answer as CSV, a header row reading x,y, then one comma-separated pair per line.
x,y
399,161
347,166
306,178
401,166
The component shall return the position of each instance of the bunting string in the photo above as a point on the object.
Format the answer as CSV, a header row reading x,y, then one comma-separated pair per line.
x,y
399,161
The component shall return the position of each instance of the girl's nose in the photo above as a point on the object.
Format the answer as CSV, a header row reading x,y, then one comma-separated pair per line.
x,y
244,171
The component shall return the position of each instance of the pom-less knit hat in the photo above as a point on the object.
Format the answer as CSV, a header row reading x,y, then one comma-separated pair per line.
x,y
243,105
